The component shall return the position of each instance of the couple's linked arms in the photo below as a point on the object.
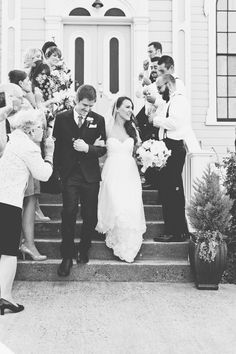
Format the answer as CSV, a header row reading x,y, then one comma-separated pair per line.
x,y
97,149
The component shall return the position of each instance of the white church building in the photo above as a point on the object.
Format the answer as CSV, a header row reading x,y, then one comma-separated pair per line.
x,y
105,42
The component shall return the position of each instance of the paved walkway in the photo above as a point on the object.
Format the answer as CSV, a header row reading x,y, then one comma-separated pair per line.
x,y
124,318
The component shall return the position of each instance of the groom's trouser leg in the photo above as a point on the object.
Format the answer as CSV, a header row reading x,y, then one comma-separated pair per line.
x,y
171,190
70,197
89,202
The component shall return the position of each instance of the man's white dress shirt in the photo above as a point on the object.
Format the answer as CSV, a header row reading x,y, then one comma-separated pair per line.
x,y
77,117
178,122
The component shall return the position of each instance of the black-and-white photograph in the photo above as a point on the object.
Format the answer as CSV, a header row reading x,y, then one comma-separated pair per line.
x,y
117,176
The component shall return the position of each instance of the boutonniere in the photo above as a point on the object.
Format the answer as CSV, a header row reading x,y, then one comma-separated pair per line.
x,y
89,120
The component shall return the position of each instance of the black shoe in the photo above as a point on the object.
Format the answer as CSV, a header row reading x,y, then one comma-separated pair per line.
x,y
64,268
82,258
147,186
6,305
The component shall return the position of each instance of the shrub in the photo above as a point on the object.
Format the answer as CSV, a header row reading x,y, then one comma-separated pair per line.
x,y
209,209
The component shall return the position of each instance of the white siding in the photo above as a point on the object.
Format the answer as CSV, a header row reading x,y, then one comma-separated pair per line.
x,y
0,36
33,24
218,137
160,25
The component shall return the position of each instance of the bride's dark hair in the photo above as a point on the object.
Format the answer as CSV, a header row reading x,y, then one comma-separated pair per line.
x,y
130,125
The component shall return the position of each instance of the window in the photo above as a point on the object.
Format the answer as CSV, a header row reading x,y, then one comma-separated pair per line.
x,y
226,60
114,12
79,11
114,65
79,62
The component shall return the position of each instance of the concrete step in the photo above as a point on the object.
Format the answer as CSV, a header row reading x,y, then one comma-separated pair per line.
x,y
150,197
52,228
152,212
96,270
99,250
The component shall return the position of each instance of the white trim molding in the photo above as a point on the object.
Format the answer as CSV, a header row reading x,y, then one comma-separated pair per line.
x,y
11,22
181,41
210,12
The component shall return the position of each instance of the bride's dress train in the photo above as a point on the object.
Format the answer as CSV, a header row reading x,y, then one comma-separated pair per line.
x,y
120,206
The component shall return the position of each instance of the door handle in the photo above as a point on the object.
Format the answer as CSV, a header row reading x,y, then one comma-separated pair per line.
x,y
100,89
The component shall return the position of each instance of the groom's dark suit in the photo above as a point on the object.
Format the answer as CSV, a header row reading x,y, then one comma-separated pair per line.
x,y
80,173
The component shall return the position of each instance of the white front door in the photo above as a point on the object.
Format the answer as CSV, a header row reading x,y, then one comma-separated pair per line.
x,y
100,55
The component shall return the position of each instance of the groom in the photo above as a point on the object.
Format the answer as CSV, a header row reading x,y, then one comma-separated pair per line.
x,y
76,158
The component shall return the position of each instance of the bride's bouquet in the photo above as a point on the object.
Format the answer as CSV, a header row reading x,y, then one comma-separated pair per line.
x,y
152,153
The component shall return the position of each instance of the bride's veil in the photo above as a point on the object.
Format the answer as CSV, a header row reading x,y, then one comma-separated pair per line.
x,y
110,118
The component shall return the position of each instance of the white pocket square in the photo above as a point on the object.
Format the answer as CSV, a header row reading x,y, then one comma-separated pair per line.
x,y
92,125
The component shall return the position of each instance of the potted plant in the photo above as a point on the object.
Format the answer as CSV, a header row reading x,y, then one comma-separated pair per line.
x,y
209,215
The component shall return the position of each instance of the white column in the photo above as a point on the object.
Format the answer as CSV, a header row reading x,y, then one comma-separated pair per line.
x,y
11,37
140,43
181,37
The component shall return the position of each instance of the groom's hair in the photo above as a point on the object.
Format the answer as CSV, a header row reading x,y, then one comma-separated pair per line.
x,y
86,91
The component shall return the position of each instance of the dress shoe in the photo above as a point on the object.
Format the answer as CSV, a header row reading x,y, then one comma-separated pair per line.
x,y
34,255
6,305
82,258
64,268
147,186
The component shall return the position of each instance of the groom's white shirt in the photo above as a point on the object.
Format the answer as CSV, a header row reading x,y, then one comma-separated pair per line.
x,y
76,117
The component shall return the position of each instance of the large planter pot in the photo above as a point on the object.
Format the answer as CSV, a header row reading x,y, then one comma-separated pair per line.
x,y
207,275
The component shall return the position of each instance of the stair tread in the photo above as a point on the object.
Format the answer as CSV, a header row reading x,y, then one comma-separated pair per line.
x,y
147,242
56,221
112,262
60,204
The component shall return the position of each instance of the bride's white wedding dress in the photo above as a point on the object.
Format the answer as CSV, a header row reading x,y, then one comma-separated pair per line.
x,y
120,206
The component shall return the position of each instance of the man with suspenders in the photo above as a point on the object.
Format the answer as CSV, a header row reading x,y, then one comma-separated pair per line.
x,y
173,129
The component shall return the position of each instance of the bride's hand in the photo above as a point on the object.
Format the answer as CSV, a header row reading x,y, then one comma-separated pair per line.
x,y
99,142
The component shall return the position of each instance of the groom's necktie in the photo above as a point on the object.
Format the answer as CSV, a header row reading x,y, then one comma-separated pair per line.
x,y
80,121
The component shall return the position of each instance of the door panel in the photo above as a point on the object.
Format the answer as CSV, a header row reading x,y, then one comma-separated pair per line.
x,y
100,55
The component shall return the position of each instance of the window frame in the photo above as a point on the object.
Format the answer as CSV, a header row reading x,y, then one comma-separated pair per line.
x,y
211,117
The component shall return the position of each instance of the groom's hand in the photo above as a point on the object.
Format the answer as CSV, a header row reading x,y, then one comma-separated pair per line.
x,y
80,145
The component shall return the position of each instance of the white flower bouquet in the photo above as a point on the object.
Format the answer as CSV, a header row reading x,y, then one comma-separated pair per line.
x,y
152,153
61,77
65,99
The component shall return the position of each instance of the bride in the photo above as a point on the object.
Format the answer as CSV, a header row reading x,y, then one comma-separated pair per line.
x,y
120,207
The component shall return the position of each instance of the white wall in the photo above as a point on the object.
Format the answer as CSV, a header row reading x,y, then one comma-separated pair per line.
x,y
33,24
160,25
0,35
